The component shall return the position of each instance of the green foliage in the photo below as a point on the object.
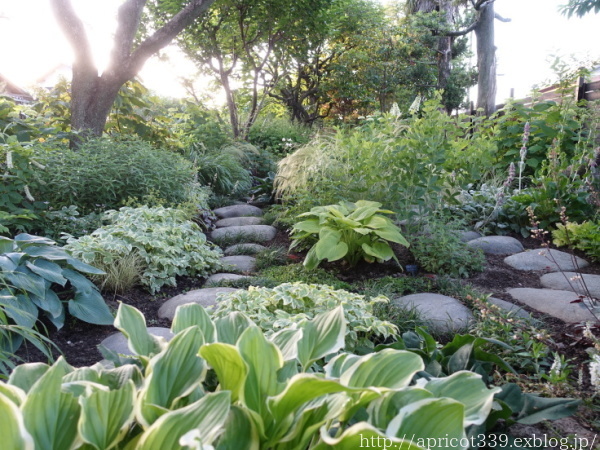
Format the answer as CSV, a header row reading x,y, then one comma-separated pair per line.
x,y
289,304
67,220
35,272
168,244
348,231
582,236
580,7
298,272
438,248
278,135
104,173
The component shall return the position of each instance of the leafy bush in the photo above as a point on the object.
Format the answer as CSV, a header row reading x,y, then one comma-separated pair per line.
x,y
439,249
104,174
348,231
289,304
32,269
54,223
582,236
168,244
278,135
298,272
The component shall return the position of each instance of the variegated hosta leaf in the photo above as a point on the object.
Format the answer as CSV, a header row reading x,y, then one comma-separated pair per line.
x,y
132,324
194,314
172,374
339,364
322,336
229,366
26,375
230,328
287,341
106,415
363,435
382,410
467,388
241,431
388,368
12,428
196,425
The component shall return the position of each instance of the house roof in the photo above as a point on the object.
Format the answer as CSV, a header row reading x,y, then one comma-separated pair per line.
x,y
10,89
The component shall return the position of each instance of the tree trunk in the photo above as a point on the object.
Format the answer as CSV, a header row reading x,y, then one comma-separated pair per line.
x,y
486,60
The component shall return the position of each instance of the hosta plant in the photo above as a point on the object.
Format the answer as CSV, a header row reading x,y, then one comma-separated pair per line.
x,y
34,272
265,392
348,231
290,304
167,243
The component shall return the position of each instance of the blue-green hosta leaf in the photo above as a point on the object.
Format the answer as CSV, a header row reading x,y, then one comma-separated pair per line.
x,y
240,432
172,374
194,314
195,425
12,427
24,376
132,323
263,360
379,250
58,321
322,336
467,388
26,280
106,415
24,238
51,415
47,270
48,252
230,328
393,369
6,264
433,419
50,303
90,307
20,309
229,366
383,409
363,435
83,267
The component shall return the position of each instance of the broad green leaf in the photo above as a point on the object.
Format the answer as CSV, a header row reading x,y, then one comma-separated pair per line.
x,y
6,264
392,233
322,336
535,409
382,410
427,421
12,428
363,435
6,245
329,246
25,238
240,431
263,359
132,323
83,267
199,423
310,226
229,366
25,376
379,250
90,307
362,212
27,281
339,364
106,415
467,388
194,314
13,393
230,328
172,374
48,252
388,368
311,261
50,303
51,415
47,270
20,309
377,222
287,341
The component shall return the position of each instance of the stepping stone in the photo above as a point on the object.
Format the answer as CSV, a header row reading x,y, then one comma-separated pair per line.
x,y
205,297
443,314
238,211
244,249
218,277
554,303
542,259
558,280
497,245
467,236
239,263
250,233
238,221
117,342
510,307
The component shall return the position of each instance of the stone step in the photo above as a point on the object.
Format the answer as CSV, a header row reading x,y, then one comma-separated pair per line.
x,y
572,281
497,245
510,308
244,249
238,221
442,314
205,297
467,236
218,277
249,233
117,342
554,303
237,211
550,260
239,263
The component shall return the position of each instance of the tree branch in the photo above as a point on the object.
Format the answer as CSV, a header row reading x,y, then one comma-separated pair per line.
x,y
128,20
500,18
461,32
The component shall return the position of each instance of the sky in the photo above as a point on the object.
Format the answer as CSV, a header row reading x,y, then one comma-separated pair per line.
x,y
537,30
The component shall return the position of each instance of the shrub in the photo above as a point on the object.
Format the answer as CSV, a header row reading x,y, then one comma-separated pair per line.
x,y
298,272
104,174
581,236
348,231
278,135
34,271
290,303
168,243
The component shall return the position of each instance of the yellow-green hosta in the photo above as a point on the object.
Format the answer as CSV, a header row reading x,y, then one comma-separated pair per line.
x,y
268,394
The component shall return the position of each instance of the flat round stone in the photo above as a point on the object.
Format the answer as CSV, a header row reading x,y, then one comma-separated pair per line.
x,y
218,277
239,263
238,221
497,245
554,303
550,260
237,211
467,236
510,307
249,233
244,249
117,342
572,281
205,297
